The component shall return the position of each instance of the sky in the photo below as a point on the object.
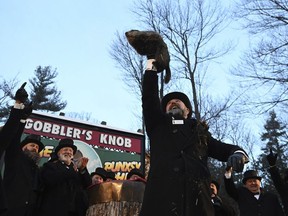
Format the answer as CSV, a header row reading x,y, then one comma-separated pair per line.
x,y
73,37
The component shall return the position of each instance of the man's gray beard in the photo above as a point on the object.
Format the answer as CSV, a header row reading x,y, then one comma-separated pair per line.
x,y
32,155
66,160
176,112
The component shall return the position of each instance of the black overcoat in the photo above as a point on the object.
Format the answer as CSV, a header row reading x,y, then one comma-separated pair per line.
x,y
7,134
62,189
267,204
281,186
20,179
179,179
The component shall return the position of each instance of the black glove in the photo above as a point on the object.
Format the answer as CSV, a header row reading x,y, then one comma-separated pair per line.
x,y
271,158
236,161
21,94
27,110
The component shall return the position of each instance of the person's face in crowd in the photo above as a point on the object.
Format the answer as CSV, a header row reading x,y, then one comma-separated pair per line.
x,y
213,189
253,185
177,107
31,147
97,179
65,155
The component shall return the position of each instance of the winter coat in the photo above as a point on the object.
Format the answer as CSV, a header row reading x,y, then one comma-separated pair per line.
x,y
267,204
281,186
20,179
179,180
63,190
7,134
222,207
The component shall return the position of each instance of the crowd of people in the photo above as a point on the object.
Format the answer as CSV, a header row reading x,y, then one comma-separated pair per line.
x,y
59,186
179,182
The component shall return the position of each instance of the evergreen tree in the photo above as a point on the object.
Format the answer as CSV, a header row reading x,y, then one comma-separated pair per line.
x,y
44,94
276,139
6,95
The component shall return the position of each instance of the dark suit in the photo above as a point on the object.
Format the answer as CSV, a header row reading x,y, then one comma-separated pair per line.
x,y
63,190
7,134
281,186
179,179
20,179
267,204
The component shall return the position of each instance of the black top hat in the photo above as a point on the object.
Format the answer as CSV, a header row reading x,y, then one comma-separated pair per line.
x,y
251,174
101,172
176,95
110,175
135,171
216,184
66,143
33,138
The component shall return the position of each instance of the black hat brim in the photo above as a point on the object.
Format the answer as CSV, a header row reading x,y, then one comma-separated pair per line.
x,y
135,172
28,140
100,174
252,177
176,95
57,149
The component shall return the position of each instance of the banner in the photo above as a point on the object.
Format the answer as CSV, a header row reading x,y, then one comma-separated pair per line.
x,y
113,149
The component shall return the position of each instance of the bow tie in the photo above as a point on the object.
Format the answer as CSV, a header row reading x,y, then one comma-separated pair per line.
x,y
257,193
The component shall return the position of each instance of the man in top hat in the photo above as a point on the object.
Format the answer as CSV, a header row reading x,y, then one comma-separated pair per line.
x,y
221,206
251,199
20,180
110,176
136,175
99,176
21,175
11,132
178,182
64,182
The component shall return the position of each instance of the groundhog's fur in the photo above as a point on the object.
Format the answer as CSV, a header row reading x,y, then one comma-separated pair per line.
x,y
151,44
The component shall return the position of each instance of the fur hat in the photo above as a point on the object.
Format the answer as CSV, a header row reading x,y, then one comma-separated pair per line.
x,y
33,138
66,143
251,174
101,172
176,95
135,171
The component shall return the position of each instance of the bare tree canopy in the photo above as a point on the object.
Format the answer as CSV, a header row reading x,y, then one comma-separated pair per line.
x,y
265,65
6,94
190,29
129,62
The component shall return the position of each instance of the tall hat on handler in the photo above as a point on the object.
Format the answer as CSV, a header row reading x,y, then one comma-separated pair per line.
x,y
66,143
33,138
251,174
135,171
101,172
176,95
